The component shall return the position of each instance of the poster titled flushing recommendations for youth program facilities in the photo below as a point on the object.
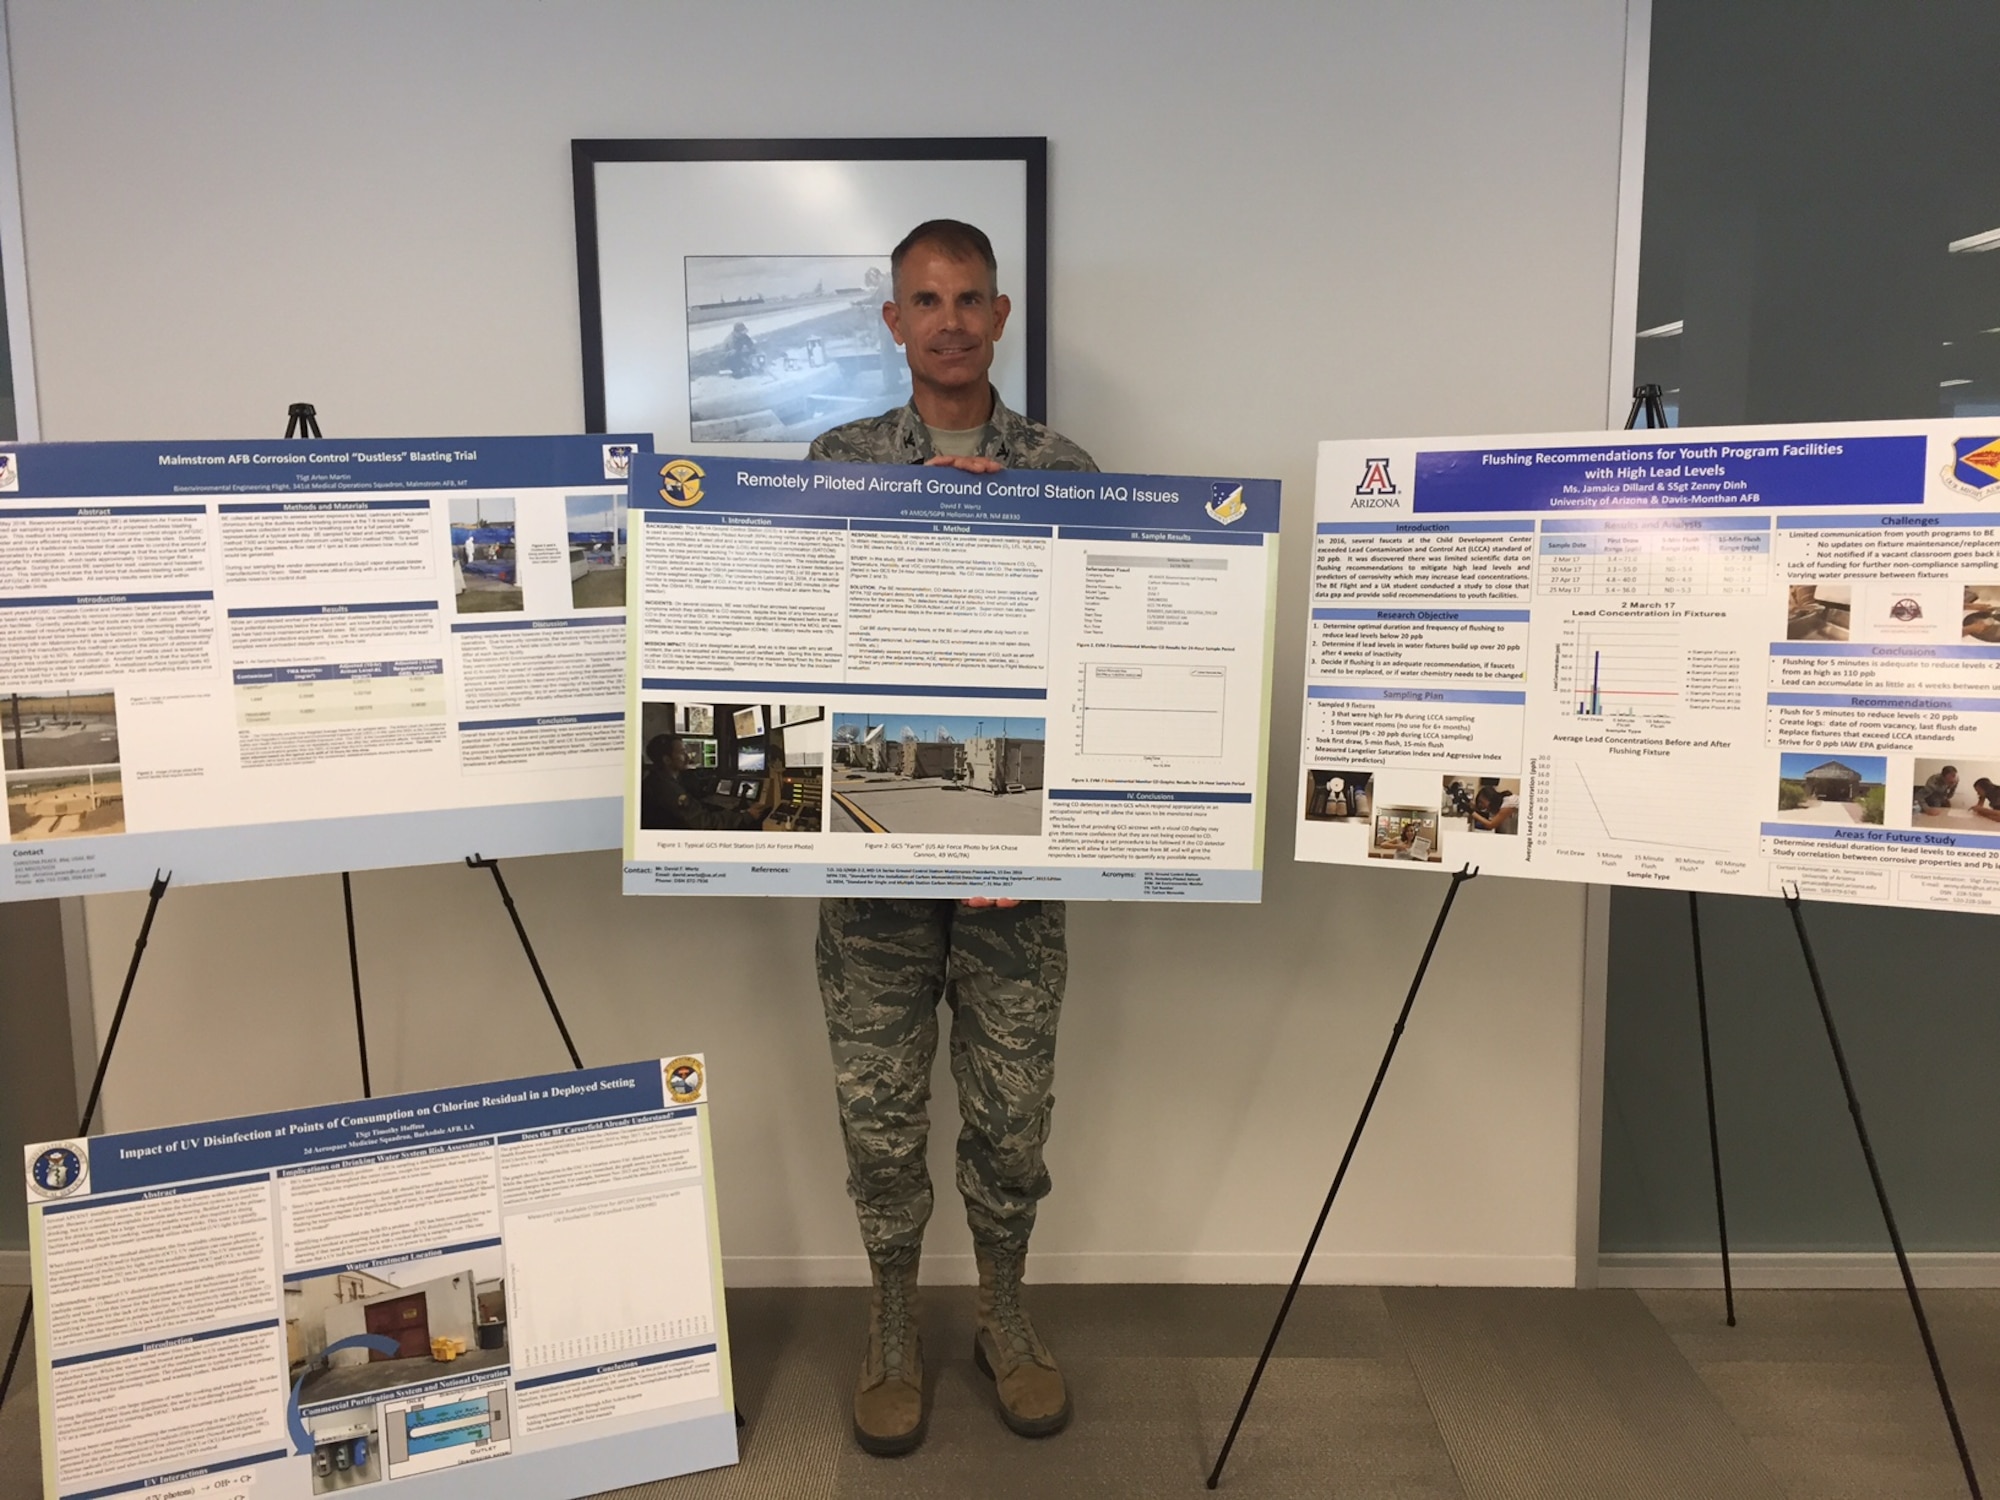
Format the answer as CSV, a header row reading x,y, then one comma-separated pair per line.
x,y
1725,659
511,1291
896,680
238,660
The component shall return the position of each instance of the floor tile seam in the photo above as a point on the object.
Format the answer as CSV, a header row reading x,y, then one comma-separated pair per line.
x,y
1542,1431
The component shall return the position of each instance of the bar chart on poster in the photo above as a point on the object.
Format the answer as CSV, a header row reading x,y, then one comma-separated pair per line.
x,y
561,1316
1731,659
245,660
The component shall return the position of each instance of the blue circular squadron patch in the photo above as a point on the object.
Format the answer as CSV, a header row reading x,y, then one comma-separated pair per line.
x,y
57,1171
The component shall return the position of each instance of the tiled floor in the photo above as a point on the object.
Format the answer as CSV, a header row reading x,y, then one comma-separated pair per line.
x,y
1417,1394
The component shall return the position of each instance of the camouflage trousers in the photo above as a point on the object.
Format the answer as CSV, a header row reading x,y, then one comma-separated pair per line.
x,y
883,967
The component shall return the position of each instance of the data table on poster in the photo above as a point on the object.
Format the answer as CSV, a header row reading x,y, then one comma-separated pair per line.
x,y
237,661
1729,659
881,680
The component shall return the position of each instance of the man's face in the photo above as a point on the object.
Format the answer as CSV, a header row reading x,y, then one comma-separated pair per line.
x,y
947,317
677,756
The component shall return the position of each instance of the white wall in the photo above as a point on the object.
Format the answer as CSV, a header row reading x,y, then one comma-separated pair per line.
x,y
1270,224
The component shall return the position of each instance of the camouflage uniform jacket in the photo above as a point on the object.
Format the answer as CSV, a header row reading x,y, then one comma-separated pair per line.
x,y
900,437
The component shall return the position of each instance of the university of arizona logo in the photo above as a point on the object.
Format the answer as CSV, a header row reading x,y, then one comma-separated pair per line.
x,y
58,1171
1225,503
1375,479
1975,466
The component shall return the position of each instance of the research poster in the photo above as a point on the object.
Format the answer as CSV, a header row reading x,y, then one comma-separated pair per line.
x,y
913,680
511,1291
1722,659
243,660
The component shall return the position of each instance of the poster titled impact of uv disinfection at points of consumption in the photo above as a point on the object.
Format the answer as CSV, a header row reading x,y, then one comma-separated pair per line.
x,y
1724,659
913,680
241,660
511,1291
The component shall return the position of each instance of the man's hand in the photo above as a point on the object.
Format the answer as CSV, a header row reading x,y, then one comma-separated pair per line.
x,y
978,901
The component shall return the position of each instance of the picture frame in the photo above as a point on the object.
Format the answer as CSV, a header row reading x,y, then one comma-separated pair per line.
x,y
729,291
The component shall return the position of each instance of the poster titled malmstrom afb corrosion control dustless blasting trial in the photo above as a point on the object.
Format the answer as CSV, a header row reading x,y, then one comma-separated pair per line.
x,y
1726,659
510,1291
242,660
895,680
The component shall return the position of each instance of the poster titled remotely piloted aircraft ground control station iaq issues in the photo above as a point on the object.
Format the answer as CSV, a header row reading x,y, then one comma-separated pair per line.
x,y
895,680
1725,659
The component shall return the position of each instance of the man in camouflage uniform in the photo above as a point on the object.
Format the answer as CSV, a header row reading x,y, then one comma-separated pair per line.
x,y
999,964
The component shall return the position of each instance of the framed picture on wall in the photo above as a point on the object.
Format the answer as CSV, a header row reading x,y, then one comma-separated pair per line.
x,y
731,291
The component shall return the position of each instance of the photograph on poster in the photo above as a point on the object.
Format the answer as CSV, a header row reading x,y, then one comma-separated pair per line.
x,y
446,1313
1409,833
1955,793
347,1449
732,767
61,764
1982,614
1831,789
596,550
732,291
1484,804
485,577
927,773
1338,796
1819,612
781,347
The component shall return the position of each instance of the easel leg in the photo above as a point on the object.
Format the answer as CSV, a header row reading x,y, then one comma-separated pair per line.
x,y
1312,1242
20,1338
354,970
1708,1087
158,889
479,862
1792,900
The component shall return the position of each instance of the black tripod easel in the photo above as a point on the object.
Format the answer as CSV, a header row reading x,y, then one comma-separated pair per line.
x,y
1648,402
1459,878
302,422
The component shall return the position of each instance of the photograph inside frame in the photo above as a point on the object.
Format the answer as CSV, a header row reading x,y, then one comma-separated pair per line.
x,y
780,347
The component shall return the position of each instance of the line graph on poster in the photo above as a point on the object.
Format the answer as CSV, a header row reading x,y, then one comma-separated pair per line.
x,y
1655,807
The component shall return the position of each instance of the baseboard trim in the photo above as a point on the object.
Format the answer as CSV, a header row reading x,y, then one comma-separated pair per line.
x,y
1801,1270
1228,1268
14,1268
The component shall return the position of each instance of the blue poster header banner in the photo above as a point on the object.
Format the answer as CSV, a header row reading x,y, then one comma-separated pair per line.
x,y
55,471
442,1117
1206,509
1626,475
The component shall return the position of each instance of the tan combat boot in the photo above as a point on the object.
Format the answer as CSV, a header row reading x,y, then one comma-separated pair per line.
x,y
889,1414
1034,1401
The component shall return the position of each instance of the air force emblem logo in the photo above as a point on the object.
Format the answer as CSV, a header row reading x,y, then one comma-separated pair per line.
x,y
1975,466
57,1171
1225,503
680,483
10,471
